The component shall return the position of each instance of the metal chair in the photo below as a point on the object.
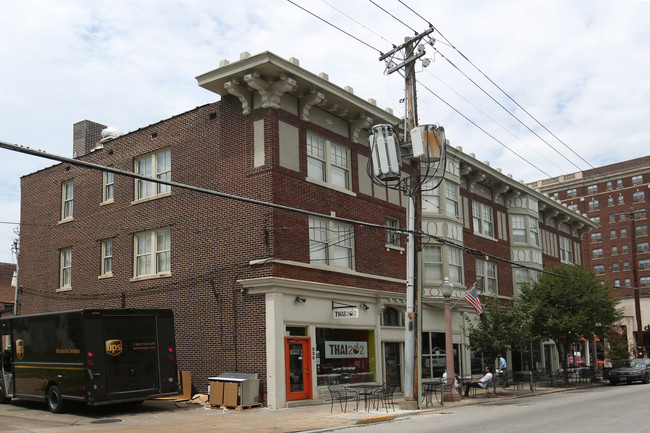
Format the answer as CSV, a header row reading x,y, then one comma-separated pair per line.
x,y
342,395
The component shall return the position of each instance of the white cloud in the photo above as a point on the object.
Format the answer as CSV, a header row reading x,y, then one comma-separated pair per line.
x,y
580,67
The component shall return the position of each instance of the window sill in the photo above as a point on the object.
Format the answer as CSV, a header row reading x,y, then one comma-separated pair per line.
x,y
66,220
330,186
394,248
150,277
153,197
104,203
64,289
104,276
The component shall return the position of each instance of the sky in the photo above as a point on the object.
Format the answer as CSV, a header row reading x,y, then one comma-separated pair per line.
x,y
536,88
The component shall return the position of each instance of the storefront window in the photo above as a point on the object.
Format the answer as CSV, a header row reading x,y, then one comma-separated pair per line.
x,y
344,356
434,361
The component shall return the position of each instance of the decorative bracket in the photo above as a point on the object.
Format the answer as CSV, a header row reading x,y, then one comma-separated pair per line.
x,y
236,89
271,92
314,97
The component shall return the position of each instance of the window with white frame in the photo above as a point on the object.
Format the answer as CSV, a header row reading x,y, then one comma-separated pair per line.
x,y
432,262
107,257
624,249
615,267
594,205
612,234
566,250
617,283
328,162
623,233
596,237
609,185
637,180
628,282
482,216
455,264
65,275
638,196
610,201
642,247
641,230
525,229
619,183
486,276
621,199
330,243
626,266
109,186
612,218
644,264
615,251
431,196
523,277
644,281
152,253
599,269
573,207
156,165
597,253
451,199
592,189
67,200
570,193
392,236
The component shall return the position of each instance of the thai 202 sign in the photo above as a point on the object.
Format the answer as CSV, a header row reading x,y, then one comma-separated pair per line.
x,y
346,349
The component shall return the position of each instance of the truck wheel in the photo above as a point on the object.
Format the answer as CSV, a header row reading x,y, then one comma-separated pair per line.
x,y
54,400
3,395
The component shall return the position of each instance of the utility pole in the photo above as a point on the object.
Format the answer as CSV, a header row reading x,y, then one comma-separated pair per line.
x,y
412,51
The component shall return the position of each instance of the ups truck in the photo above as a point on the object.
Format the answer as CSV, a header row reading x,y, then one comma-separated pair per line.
x,y
97,357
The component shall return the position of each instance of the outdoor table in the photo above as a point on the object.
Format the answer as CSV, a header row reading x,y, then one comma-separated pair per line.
x,y
431,388
364,390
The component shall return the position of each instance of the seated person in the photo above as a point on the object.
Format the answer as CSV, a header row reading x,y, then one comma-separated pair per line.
x,y
457,383
483,382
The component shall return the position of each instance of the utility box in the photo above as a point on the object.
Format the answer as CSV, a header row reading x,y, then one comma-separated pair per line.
x,y
234,390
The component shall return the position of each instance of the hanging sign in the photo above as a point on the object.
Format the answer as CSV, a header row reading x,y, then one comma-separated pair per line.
x,y
346,313
346,349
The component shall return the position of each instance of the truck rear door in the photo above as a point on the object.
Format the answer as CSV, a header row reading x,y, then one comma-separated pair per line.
x,y
131,354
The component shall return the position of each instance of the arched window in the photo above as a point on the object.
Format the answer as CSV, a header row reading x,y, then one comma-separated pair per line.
x,y
391,317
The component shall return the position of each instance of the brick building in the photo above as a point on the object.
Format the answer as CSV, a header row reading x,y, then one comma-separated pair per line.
x,y
267,289
615,197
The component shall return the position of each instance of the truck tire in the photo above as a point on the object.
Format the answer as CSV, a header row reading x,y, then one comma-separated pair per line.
x,y
54,400
3,395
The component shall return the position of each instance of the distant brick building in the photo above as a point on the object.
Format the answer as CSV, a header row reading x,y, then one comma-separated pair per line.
x,y
615,197
304,299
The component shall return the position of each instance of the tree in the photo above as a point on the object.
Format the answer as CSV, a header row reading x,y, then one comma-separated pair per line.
x,y
499,328
568,305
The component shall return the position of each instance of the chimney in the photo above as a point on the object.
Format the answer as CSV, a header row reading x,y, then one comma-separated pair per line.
x,y
86,136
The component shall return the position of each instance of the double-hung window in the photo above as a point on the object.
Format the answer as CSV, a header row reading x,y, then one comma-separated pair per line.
x,y
328,162
638,197
486,276
637,180
65,277
152,253
67,200
107,257
434,263
566,250
524,229
482,217
451,199
431,196
109,187
392,236
592,189
330,243
157,165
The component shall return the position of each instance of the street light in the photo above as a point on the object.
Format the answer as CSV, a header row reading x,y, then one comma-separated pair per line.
x,y
450,390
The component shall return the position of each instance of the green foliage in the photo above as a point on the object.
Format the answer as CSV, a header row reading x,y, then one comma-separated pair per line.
x,y
499,328
618,348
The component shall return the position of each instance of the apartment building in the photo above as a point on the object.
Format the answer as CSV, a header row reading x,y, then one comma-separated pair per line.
x,y
615,197
277,252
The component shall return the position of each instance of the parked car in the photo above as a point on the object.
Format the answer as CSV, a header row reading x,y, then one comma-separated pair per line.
x,y
630,370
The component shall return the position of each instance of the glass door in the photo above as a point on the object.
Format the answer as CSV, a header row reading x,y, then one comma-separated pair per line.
x,y
298,367
393,364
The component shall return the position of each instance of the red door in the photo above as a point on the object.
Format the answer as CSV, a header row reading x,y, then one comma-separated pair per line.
x,y
297,352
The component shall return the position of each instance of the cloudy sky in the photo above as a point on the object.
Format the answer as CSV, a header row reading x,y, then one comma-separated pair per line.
x,y
580,68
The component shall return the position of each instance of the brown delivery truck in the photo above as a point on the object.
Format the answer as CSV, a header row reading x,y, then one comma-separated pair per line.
x,y
94,356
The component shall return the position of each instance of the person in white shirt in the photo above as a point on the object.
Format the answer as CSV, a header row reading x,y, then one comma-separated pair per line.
x,y
457,383
483,382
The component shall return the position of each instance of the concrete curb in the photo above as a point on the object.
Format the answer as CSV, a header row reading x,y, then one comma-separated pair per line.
x,y
378,418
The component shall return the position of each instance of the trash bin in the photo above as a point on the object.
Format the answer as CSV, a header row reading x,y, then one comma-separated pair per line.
x,y
234,390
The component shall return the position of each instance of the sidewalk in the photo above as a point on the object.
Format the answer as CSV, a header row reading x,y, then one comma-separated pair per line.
x,y
315,418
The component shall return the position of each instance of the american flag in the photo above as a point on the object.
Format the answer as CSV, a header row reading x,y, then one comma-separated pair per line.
x,y
472,298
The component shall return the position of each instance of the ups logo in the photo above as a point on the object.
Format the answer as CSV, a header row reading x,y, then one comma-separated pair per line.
x,y
20,349
114,347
